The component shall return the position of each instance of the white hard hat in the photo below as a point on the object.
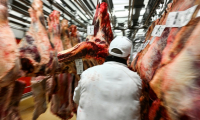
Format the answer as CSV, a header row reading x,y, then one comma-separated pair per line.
x,y
121,43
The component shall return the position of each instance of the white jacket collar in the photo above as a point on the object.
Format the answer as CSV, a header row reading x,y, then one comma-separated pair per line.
x,y
116,63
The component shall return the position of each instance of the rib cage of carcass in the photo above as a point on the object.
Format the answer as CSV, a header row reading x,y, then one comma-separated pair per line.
x,y
95,47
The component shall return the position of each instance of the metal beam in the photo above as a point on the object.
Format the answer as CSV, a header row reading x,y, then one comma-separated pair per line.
x,y
152,11
69,14
28,3
92,4
88,5
78,9
11,21
69,7
86,8
81,4
131,28
45,12
19,18
20,11
21,6
135,6
83,9
129,12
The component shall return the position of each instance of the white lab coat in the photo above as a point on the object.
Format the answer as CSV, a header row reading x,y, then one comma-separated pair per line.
x,y
108,92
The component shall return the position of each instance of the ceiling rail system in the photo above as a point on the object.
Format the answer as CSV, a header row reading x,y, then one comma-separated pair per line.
x,y
80,13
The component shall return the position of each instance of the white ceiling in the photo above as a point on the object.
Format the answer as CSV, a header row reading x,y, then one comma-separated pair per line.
x,y
119,10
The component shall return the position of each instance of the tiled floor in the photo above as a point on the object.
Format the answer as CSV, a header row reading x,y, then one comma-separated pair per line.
x,y
26,110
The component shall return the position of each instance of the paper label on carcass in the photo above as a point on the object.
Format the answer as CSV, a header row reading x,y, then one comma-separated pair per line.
x,y
187,16
79,66
198,14
90,30
171,19
158,30
174,19
178,19
154,31
145,44
152,39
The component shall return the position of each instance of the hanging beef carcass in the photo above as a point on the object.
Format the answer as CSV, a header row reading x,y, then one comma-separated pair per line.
x,y
136,61
9,61
96,46
157,111
178,44
38,84
146,90
143,52
13,111
73,36
156,52
61,88
151,60
135,65
55,31
10,91
5,95
174,40
65,35
36,51
10,97
61,102
36,54
177,83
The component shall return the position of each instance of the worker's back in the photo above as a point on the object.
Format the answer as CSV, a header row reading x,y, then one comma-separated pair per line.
x,y
109,92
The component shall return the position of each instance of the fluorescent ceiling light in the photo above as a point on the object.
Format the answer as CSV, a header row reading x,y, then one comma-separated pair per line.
x,y
119,7
140,18
142,11
134,11
117,31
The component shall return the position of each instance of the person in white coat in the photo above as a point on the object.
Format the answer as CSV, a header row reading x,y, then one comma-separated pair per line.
x,y
110,91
